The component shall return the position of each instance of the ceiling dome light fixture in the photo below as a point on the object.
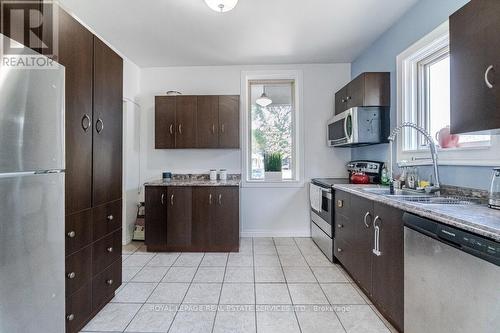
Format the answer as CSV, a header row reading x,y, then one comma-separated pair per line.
x,y
221,6
263,100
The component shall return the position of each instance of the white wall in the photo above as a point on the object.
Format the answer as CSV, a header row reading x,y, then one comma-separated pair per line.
x,y
131,147
264,211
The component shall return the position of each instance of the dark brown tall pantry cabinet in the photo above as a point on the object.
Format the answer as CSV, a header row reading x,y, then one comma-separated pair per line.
x,y
94,76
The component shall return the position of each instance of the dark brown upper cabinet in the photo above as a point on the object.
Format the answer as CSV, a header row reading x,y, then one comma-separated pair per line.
x,y
76,54
229,121
185,117
107,124
367,89
475,67
165,126
209,121
207,116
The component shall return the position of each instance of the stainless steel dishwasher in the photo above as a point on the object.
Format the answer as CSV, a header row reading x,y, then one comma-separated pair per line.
x,y
452,279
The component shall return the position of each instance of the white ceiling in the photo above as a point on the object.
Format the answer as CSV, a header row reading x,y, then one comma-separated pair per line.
x,y
157,33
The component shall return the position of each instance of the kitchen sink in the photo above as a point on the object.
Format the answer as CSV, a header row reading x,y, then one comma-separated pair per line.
x,y
436,200
421,197
386,191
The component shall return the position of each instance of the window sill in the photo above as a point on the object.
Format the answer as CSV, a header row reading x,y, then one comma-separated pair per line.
x,y
269,184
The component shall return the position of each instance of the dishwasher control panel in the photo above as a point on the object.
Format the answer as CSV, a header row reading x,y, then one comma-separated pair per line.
x,y
476,245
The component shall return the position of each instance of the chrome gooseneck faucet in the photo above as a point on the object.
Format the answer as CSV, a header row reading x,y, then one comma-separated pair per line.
x,y
429,189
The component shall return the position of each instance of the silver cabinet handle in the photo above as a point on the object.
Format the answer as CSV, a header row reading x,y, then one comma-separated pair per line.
x,y
340,225
110,249
488,83
86,122
171,129
110,281
180,128
110,217
162,198
222,128
365,219
339,250
70,317
71,275
376,250
210,199
172,200
220,199
98,128
340,203
213,128
71,234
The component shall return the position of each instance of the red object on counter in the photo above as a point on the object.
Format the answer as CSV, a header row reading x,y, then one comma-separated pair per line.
x,y
360,178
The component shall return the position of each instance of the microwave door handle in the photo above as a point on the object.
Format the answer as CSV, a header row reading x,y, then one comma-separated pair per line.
x,y
345,128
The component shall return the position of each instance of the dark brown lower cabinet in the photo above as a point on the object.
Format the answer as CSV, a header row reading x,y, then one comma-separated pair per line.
x,y
381,276
197,218
78,308
179,217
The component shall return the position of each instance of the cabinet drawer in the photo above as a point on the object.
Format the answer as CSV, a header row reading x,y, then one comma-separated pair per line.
x,y
78,309
342,252
105,284
344,229
342,203
78,231
107,218
105,251
78,269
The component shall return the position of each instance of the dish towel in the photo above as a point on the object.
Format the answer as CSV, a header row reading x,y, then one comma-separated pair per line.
x,y
315,197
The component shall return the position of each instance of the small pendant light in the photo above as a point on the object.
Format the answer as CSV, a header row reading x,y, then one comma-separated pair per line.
x,y
263,100
221,6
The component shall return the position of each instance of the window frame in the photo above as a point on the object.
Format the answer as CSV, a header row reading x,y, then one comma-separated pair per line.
x,y
248,77
410,66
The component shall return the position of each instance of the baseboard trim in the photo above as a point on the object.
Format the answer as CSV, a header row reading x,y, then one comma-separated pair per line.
x,y
274,233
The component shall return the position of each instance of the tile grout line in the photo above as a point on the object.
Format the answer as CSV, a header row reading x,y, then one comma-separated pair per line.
x,y
254,284
220,293
287,287
319,284
142,304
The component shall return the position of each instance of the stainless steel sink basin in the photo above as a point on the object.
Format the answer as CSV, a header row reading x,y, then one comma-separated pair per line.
x,y
436,200
386,191
420,197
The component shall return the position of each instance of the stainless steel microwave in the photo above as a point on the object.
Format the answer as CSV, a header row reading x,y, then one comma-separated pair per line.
x,y
355,127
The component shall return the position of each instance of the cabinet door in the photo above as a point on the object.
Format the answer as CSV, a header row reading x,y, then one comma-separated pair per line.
x,y
356,91
204,200
185,115
75,53
340,100
225,226
165,122
207,122
474,44
179,216
362,243
108,115
229,121
155,216
377,89
388,275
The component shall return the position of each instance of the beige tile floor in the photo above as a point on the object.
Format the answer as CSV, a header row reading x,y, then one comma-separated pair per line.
x,y
272,285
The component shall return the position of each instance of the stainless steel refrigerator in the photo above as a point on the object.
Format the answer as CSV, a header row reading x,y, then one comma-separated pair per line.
x,y
32,200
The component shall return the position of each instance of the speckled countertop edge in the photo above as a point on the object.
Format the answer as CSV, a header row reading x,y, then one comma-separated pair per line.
x,y
194,182
478,219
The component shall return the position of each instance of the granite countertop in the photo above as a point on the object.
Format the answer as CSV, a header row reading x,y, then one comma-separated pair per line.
x,y
196,180
475,218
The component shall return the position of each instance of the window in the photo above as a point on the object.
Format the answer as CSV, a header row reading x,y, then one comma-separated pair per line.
x,y
424,99
272,127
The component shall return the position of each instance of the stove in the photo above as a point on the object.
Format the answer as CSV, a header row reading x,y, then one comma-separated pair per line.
x,y
329,182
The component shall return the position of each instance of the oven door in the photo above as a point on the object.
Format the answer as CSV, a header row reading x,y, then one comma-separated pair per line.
x,y
323,210
340,129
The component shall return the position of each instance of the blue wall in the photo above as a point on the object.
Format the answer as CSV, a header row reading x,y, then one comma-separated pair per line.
x,y
424,17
